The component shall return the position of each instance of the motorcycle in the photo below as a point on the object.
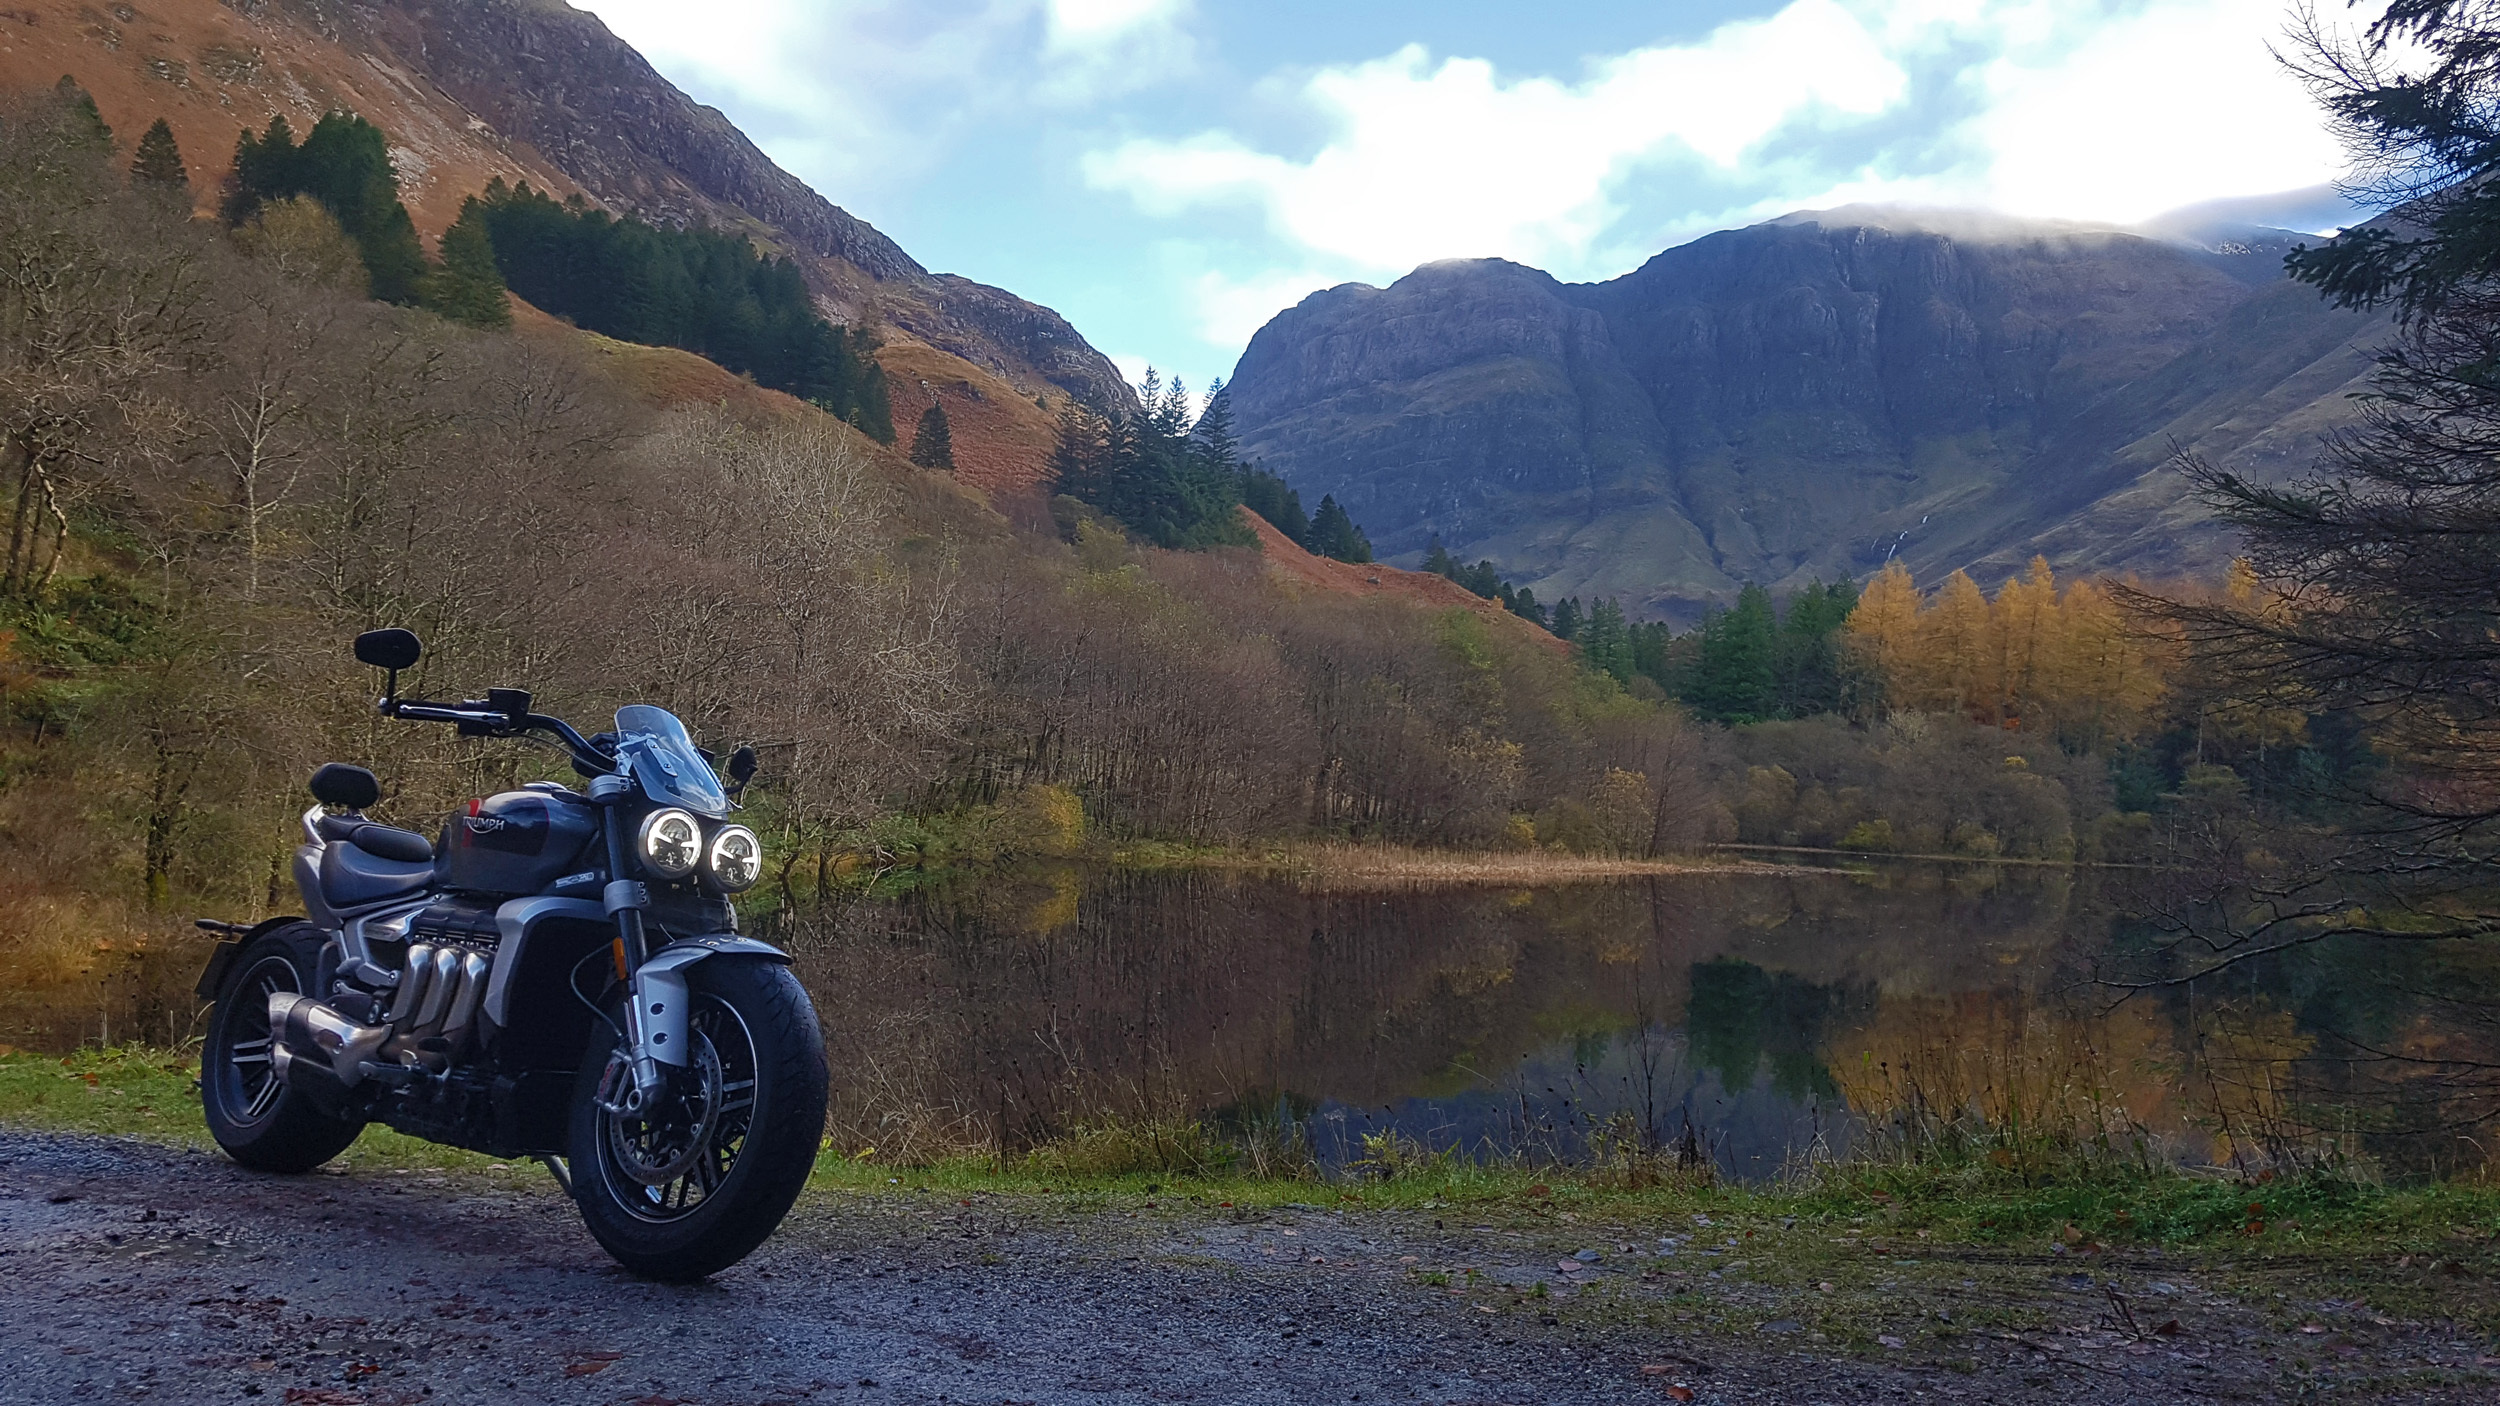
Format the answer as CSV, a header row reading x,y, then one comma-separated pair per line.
x,y
559,977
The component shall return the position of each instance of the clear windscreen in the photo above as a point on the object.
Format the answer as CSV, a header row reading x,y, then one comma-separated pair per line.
x,y
664,760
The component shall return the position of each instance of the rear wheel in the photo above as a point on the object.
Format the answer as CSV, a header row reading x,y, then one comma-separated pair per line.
x,y
696,1181
254,1115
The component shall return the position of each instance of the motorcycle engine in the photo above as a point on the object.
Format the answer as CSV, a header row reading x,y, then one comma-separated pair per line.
x,y
442,983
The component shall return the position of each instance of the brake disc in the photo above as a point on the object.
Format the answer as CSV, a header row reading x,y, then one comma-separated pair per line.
x,y
665,1142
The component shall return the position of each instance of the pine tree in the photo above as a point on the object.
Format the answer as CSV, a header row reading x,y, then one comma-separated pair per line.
x,y
1333,534
1567,618
1266,494
1734,682
1214,430
1810,661
932,445
87,123
1606,642
468,287
345,163
1438,561
158,162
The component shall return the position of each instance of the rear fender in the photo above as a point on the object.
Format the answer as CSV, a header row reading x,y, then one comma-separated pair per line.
x,y
661,992
230,946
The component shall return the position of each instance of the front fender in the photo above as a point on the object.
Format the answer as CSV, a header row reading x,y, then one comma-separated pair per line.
x,y
661,992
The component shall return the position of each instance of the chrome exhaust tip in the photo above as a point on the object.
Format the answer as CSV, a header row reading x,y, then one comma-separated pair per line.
x,y
303,1029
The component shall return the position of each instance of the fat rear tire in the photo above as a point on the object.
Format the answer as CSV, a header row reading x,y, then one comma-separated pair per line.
x,y
783,1128
265,1125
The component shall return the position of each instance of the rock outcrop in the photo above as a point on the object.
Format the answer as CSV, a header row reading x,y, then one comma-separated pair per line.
x,y
1805,398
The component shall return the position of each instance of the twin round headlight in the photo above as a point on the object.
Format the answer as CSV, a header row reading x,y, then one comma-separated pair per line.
x,y
672,846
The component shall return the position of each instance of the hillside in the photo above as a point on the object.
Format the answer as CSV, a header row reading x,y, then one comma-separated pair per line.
x,y
527,90
1287,561
1002,438
1804,398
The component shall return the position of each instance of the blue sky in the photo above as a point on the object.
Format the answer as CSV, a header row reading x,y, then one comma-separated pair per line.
x,y
1170,173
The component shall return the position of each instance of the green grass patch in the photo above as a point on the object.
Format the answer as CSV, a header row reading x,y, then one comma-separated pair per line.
x,y
1897,1209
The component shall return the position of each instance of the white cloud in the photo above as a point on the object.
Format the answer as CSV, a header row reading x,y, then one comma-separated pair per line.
x,y
2175,104
2100,110
846,92
1230,309
1079,22
1430,161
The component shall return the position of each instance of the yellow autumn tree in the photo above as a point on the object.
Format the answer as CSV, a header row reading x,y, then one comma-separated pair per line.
x,y
1883,629
2024,630
1954,633
2067,663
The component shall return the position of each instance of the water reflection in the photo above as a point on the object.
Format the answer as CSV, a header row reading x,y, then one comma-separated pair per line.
x,y
1536,1022
1751,1019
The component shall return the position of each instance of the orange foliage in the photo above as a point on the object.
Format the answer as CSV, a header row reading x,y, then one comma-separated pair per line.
x,y
1002,439
2035,658
1288,561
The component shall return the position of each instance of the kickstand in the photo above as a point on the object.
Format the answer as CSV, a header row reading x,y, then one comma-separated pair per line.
x,y
562,1173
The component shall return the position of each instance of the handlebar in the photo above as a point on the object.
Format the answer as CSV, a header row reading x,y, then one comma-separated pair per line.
x,y
494,722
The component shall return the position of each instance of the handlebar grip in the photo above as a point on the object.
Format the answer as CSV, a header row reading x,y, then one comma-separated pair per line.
x,y
436,713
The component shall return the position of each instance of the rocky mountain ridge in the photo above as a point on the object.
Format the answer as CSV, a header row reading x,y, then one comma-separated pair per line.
x,y
1807,398
527,90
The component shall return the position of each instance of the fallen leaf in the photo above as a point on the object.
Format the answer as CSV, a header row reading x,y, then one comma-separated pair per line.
x,y
1679,1393
1540,1189
2170,1329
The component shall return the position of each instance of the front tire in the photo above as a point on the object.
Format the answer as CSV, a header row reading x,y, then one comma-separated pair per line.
x,y
695,1187
256,1117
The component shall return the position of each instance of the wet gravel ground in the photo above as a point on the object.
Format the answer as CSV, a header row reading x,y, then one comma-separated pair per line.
x,y
137,1273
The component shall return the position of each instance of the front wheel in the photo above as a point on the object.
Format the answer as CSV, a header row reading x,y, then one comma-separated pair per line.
x,y
695,1182
255,1116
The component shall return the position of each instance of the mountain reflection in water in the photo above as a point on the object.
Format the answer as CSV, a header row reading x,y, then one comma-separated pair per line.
x,y
1494,1021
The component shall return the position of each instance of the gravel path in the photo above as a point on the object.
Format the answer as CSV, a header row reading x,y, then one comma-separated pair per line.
x,y
136,1273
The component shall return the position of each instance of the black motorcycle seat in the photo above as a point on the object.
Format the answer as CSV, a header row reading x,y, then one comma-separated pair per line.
x,y
390,842
380,841
352,876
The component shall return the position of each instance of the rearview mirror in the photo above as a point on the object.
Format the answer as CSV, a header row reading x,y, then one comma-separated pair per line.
x,y
389,649
741,768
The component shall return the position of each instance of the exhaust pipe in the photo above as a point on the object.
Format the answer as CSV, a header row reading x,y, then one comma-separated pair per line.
x,y
442,986
416,981
307,1034
469,993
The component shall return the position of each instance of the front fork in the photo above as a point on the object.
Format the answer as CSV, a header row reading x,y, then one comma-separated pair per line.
x,y
655,992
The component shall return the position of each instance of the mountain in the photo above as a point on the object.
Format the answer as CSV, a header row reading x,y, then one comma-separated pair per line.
x,y
1807,397
527,90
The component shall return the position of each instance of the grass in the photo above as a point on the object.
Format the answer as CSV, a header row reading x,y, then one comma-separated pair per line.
x,y
151,1095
